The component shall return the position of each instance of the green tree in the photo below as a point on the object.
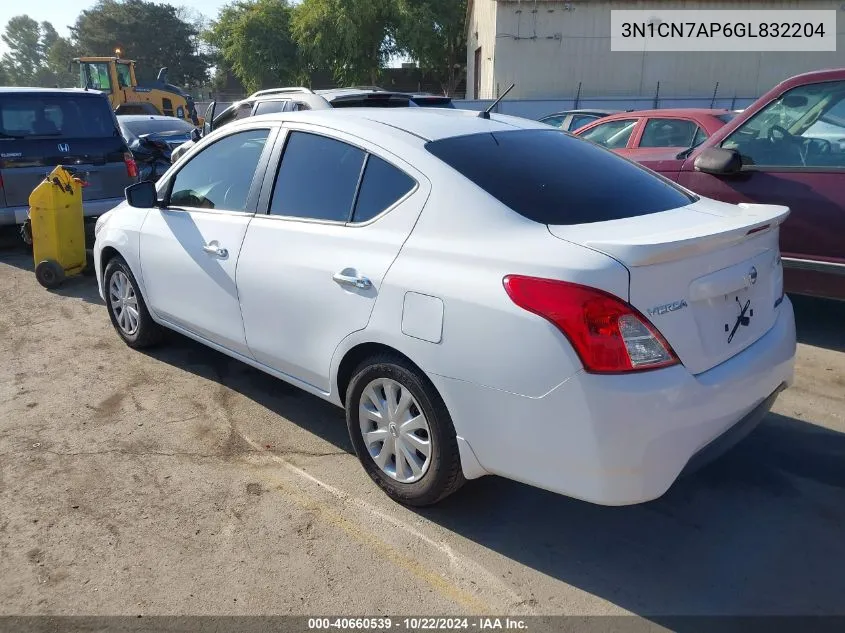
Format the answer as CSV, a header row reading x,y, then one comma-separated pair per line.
x,y
58,61
252,38
353,39
24,57
152,34
433,32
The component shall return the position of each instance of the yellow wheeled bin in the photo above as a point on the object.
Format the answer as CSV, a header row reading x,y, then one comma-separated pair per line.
x,y
58,228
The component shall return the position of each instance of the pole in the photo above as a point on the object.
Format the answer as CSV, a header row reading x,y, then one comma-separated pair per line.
x,y
578,96
713,100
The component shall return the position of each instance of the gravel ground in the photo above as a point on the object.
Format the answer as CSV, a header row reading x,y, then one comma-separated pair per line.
x,y
182,482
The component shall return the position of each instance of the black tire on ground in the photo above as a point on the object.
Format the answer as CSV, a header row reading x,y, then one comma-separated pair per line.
x,y
49,274
148,332
444,475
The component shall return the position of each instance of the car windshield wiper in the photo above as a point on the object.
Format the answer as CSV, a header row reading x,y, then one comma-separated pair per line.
x,y
17,136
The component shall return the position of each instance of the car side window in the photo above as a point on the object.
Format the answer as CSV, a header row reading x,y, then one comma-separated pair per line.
x,y
613,134
580,120
554,121
317,179
268,107
803,128
220,176
668,133
381,186
700,137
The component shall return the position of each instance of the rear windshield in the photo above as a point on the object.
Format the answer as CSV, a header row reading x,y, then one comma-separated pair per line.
x,y
434,102
372,101
150,126
63,116
554,178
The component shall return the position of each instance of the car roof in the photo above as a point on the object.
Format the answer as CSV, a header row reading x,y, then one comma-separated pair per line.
x,y
56,91
429,124
582,111
677,112
148,117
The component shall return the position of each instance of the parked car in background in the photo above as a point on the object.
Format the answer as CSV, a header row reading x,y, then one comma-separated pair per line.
x,y
298,99
571,120
655,134
786,148
582,324
41,128
152,139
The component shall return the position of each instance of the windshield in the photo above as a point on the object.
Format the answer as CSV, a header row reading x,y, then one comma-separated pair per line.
x,y
556,178
152,126
59,115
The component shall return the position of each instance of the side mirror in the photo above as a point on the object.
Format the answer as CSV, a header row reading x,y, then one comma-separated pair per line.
x,y
718,161
142,195
196,135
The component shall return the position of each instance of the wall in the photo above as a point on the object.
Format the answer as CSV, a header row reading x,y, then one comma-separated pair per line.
x,y
481,31
548,47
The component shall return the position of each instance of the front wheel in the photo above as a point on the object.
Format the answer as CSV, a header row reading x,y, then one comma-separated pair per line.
x,y
127,310
402,432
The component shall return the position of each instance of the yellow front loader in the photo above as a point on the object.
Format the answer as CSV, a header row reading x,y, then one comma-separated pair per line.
x,y
116,77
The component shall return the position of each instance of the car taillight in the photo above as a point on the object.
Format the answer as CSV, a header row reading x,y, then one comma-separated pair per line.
x,y
131,165
608,334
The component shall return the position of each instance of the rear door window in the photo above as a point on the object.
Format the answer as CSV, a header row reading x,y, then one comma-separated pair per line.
x,y
555,178
268,107
66,116
318,178
580,120
613,134
668,133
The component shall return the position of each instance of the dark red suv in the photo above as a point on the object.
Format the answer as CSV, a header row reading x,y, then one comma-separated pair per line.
x,y
787,148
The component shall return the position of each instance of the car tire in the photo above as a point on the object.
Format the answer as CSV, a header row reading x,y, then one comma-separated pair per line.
x,y
391,461
126,306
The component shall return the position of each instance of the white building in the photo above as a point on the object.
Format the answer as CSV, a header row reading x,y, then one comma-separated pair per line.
x,y
549,47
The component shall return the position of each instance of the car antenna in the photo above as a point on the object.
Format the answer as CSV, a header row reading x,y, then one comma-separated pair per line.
x,y
486,113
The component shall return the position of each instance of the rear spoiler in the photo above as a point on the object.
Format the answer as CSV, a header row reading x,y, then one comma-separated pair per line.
x,y
680,242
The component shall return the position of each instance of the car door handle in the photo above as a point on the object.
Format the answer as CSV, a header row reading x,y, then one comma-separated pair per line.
x,y
362,283
213,248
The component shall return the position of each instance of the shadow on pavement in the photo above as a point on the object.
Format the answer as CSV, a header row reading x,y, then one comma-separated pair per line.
x,y
820,322
758,532
306,411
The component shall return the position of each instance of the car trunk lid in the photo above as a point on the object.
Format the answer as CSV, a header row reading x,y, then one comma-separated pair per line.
x,y
708,275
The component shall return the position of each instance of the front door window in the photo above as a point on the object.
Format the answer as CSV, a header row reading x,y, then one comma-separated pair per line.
x,y
805,127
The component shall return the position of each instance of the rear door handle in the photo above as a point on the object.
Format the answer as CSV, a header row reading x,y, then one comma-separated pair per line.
x,y
362,283
213,248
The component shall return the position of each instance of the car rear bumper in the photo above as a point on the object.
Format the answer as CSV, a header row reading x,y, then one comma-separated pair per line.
x,y
90,208
622,439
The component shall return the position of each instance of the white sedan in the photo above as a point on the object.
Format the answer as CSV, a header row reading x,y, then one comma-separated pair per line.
x,y
483,295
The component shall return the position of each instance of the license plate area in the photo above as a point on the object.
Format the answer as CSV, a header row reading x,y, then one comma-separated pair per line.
x,y
730,322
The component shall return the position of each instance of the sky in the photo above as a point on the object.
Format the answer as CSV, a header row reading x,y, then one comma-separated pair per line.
x,y
63,13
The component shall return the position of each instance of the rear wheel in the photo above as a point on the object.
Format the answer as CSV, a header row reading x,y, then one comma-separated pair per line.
x,y
402,432
127,310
